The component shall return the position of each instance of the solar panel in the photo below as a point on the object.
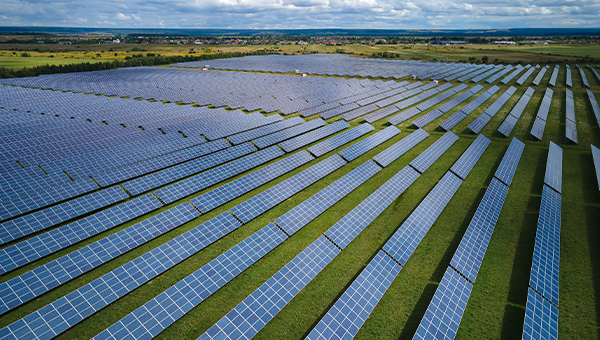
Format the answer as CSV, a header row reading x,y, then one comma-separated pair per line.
x,y
511,120
252,314
377,115
479,123
583,77
406,239
525,75
339,110
427,118
453,120
510,161
537,130
429,156
313,136
596,157
43,219
387,156
69,310
359,112
39,246
251,181
41,279
276,194
540,75
595,106
444,313
290,132
546,253
553,177
569,78
554,75
352,309
264,130
203,180
471,250
541,318
155,315
513,74
347,228
467,161
403,116
499,74
305,212
339,140
354,151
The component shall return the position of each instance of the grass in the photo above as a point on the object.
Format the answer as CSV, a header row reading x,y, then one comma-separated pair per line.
x,y
496,306
21,62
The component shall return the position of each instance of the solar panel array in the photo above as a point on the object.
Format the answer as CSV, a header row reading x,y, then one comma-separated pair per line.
x,y
569,77
511,120
429,156
457,117
525,75
387,156
500,74
444,108
496,68
335,142
538,78
541,313
290,132
570,124
354,151
584,79
510,161
313,136
594,104
596,158
539,124
594,72
487,115
513,74
554,75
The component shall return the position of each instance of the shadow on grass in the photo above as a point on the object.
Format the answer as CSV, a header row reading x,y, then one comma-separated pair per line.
x,y
514,313
415,318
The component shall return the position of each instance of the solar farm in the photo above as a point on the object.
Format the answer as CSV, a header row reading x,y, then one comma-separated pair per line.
x,y
307,196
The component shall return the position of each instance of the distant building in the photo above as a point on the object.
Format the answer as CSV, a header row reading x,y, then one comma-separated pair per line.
x,y
449,42
40,41
64,42
505,42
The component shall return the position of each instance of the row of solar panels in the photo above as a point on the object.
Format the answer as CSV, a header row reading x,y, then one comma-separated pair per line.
x,y
511,120
541,313
539,124
570,122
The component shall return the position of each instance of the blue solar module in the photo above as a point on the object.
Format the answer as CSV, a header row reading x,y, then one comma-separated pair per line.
x,y
453,120
469,255
252,314
508,78
276,194
570,105
89,299
264,130
541,318
251,181
387,156
34,248
339,140
165,176
569,79
38,281
406,239
594,104
429,156
313,136
571,131
510,161
443,316
288,133
203,180
596,157
537,130
546,253
479,123
43,219
525,75
584,79
508,125
353,308
403,116
554,75
160,312
467,161
540,75
359,112
553,177
303,213
427,118
347,228
377,115
354,151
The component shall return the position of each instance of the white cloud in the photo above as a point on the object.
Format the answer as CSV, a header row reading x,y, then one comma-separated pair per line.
x,y
122,16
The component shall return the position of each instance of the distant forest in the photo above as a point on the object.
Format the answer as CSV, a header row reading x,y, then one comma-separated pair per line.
x,y
309,32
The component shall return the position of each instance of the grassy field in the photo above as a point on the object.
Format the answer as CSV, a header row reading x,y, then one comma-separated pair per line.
x,y
21,62
497,304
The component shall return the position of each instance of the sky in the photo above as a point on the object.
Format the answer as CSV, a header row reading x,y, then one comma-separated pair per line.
x,y
290,14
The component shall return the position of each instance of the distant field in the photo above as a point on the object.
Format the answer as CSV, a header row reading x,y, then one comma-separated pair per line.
x,y
21,62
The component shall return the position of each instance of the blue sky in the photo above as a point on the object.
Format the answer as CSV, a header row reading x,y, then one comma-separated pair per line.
x,y
265,14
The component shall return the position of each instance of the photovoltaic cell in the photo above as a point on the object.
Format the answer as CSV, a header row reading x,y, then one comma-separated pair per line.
x,y
40,280
157,314
353,308
443,316
406,239
469,255
39,246
553,177
387,156
546,253
276,194
313,136
293,131
69,310
467,161
347,228
305,212
244,184
252,314
339,140
203,180
429,156
354,151
264,130
510,161
541,318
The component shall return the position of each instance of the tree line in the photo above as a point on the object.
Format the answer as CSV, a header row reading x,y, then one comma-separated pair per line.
x,y
111,65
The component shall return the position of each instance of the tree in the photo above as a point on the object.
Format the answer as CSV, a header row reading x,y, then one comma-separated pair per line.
x,y
485,59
